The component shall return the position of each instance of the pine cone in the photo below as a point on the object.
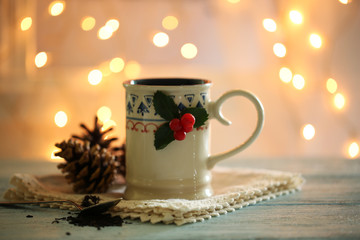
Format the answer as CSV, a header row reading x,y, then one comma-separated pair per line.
x,y
96,136
91,169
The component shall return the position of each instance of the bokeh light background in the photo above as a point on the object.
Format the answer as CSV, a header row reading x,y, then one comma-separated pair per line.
x,y
63,62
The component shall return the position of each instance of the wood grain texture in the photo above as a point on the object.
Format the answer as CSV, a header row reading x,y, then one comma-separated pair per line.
x,y
328,207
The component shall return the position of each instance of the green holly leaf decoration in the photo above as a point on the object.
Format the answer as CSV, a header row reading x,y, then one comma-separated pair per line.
x,y
163,136
165,106
200,114
167,109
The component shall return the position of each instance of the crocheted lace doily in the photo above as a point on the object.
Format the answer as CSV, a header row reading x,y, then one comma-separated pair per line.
x,y
233,189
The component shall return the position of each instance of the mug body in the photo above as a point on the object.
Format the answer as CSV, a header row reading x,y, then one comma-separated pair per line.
x,y
180,169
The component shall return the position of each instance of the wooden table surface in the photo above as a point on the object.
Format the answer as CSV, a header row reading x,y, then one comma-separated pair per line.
x,y
327,207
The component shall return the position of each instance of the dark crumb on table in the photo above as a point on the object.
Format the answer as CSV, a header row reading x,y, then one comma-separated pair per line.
x,y
67,233
29,216
95,220
92,220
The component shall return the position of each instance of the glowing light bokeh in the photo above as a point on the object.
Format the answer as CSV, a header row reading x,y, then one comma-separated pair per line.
x,y
339,101
105,32
296,17
114,24
298,81
353,150
41,59
26,23
308,131
331,85
189,51
104,114
269,25
56,8
285,74
170,22
60,119
315,40
95,76
345,1
88,23
161,39
279,50
117,65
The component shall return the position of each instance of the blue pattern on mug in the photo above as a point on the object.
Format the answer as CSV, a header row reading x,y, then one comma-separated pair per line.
x,y
189,98
203,97
198,105
129,108
144,104
134,97
181,106
149,100
142,109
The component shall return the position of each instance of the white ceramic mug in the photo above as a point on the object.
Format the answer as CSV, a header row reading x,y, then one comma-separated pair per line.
x,y
182,169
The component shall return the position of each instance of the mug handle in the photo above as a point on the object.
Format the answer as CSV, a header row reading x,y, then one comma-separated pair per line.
x,y
215,110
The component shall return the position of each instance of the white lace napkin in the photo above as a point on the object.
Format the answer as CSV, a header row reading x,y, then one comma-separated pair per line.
x,y
233,189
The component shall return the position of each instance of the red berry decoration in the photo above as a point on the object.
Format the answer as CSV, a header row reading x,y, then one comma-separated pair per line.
x,y
182,126
187,120
188,128
179,135
175,125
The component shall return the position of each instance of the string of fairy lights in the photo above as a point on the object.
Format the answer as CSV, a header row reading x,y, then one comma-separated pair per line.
x,y
132,69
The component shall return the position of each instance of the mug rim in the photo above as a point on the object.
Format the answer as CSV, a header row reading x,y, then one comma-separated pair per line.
x,y
167,82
